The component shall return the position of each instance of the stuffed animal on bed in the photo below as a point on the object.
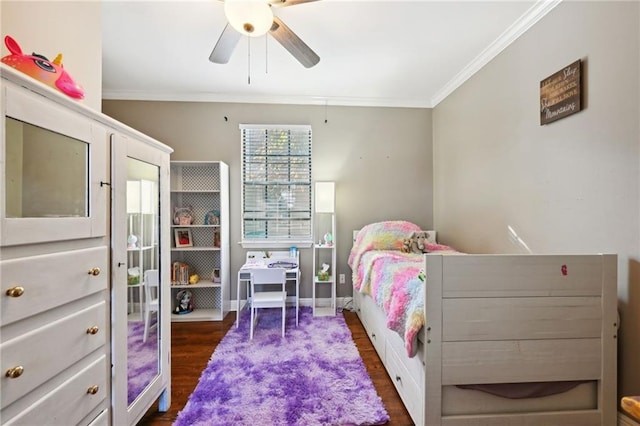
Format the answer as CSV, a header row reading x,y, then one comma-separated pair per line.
x,y
417,242
406,245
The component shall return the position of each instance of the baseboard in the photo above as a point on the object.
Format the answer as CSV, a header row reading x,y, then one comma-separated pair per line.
x,y
624,420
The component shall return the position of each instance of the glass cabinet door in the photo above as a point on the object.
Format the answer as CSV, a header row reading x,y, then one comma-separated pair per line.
x,y
53,172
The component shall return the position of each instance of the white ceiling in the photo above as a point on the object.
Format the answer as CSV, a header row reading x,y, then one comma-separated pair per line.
x,y
372,53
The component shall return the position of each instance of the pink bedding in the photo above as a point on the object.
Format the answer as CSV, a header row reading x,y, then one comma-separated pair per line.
x,y
391,277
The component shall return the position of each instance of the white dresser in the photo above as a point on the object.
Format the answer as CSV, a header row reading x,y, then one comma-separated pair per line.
x,y
54,251
58,291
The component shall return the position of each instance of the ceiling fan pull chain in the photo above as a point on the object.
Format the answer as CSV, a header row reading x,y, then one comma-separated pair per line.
x,y
266,54
249,60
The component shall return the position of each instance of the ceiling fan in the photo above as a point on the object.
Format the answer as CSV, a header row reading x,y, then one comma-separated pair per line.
x,y
255,18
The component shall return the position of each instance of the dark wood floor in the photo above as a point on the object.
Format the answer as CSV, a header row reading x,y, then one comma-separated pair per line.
x,y
193,343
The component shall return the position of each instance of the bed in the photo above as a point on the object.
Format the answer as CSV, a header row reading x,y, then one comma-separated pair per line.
x,y
503,339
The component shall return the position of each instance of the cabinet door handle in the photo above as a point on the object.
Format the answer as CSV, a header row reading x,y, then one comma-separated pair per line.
x,y
15,372
93,390
94,271
15,291
93,330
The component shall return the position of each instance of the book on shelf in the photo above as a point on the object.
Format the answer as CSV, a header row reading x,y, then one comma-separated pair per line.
x,y
179,273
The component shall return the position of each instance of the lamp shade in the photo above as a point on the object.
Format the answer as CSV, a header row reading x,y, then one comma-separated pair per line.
x,y
249,17
325,197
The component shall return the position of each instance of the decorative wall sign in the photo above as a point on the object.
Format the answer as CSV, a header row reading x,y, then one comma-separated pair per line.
x,y
560,93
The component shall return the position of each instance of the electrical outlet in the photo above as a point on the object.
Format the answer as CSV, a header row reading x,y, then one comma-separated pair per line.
x,y
342,279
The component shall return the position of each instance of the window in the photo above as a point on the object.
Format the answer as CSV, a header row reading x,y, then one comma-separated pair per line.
x,y
276,185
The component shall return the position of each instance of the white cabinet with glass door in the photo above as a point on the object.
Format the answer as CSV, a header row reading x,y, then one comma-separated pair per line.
x,y
54,257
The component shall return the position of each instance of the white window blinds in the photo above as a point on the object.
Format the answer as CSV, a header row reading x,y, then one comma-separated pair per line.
x,y
276,185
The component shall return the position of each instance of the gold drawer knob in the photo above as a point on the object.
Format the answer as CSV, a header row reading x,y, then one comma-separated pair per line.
x,y
93,330
93,390
94,271
15,372
15,291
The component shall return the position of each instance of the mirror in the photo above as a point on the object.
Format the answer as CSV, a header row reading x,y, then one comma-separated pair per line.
x,y
143,293
33,173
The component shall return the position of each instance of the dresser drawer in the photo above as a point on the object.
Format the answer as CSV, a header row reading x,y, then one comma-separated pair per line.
x,y
50,280
44,352
70,402
101,420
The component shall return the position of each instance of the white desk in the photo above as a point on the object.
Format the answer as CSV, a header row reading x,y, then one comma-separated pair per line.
x,y
256,261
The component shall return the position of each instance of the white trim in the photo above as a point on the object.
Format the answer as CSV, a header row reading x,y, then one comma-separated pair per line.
x,y
526,21
266,244
258,99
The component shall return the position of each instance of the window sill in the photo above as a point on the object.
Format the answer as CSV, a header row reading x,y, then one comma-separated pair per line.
x,y
274,244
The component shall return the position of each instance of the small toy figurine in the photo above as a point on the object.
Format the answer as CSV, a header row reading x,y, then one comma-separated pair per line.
x,y
323,274
39,67
182,215
132,241
185,305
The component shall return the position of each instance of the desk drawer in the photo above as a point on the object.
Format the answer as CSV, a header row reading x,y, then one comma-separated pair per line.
x,y
50,280
46,351
70,402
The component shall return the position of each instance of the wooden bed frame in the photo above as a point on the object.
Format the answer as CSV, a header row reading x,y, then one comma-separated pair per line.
x,y
507,319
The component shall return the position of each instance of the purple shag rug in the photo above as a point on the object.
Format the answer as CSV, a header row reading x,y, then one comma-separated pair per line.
x,y
142,359
314,376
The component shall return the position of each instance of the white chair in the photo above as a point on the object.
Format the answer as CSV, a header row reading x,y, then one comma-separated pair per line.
x,y
260,298
151,303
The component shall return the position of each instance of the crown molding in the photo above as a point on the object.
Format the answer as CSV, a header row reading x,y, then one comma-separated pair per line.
x,y
252,99
526,21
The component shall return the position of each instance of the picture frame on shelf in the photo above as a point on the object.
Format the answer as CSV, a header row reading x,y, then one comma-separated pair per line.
x,y
183,237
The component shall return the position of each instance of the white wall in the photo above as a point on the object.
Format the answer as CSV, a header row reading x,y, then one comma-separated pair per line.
x,y
73,28
571,186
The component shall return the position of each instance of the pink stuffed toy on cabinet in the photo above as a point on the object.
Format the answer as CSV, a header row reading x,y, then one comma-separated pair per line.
x,y
39,67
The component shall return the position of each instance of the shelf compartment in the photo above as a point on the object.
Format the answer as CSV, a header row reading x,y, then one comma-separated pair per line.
x,y
198,315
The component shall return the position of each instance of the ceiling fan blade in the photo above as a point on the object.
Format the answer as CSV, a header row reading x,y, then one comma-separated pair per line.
x,y
293,43
284,3
224,47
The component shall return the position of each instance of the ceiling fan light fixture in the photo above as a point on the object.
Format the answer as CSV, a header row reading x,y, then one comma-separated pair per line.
x,y
252,18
